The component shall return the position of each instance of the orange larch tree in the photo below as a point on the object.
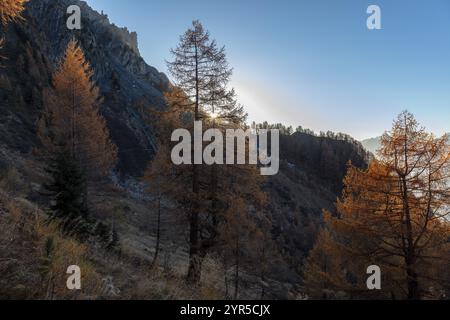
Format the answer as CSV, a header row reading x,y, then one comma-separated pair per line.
x,y
395,214
10,11
71,117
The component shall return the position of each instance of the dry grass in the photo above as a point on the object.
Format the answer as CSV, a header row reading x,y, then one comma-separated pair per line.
x,y
29,270
11,182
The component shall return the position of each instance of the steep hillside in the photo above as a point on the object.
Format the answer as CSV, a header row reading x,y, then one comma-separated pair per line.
x,y
127,83
309,181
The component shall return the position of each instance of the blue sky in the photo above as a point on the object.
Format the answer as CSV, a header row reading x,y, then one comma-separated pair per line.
x,y
314,63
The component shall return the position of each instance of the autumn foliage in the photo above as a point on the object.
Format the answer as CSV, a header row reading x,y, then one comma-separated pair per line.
x,y
72,117
394,215
10,10
227,200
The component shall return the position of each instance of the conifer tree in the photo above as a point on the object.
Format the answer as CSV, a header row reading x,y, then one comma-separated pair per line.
x,y
236,233
77,144
161,182
394,215
264,254
324,270
201,71
68,192
234,183
10,11
71,117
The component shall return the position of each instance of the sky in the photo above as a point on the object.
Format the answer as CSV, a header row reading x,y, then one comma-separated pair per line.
x,y
314,63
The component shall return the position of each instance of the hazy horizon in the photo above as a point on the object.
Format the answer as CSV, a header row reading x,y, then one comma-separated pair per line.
x,y
314,65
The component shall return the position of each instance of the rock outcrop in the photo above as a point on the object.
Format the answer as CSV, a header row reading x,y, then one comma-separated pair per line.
x,y
127,82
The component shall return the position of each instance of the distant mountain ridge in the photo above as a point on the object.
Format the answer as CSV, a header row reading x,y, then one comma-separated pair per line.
x,y
373,144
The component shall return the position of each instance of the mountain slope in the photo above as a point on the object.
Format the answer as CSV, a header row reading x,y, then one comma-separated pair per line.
x,y
310,180
125,80
311,168
372,144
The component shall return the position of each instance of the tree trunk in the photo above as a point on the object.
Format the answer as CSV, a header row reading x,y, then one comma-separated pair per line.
x,y
226,284
195,266
262,274
413,283
194,275
158,235
72,147
263,289
194,272
236,274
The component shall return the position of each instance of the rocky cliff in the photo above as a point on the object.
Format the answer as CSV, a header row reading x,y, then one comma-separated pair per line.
x,y
127,82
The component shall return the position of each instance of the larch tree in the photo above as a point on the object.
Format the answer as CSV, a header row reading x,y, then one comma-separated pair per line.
x,y
204,192
246,247
201,71
235,233
77,146
72,119
10,11
161,181
324,270
265,254
163,178
395,215
68,191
